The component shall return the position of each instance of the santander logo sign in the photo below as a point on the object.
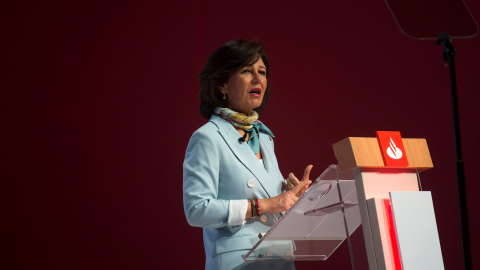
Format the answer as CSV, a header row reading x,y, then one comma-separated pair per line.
x,y
393,151
391,146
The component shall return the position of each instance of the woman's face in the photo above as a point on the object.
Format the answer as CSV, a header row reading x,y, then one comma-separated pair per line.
x,y
245,88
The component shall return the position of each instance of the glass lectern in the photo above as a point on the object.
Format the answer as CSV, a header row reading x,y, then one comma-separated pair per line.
x,y
315,226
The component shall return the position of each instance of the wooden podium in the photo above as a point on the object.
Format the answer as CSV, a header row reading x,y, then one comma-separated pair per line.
x,y
398,219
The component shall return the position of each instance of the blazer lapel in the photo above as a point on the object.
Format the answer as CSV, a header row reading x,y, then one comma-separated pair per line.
x,y
243,152
266,153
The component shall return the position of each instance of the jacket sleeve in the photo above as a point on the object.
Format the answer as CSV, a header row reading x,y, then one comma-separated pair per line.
x,y
201,181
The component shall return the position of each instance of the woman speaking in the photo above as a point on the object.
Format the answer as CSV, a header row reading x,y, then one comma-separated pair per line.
x,y
232,186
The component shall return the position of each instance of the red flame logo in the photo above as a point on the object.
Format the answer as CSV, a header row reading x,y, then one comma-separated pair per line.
x,y
393,151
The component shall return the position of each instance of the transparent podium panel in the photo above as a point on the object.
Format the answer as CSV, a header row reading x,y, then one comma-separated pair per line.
x,y
427,19
313,228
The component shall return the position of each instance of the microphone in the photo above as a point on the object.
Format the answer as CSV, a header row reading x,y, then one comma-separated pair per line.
x,y
242,139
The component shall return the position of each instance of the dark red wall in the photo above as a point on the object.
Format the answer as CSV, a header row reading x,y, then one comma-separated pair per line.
x,y
98,101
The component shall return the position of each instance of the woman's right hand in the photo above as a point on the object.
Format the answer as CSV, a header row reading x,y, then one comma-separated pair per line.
x,y
292,180
285,200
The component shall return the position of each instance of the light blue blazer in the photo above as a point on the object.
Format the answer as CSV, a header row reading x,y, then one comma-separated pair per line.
x,y
217,169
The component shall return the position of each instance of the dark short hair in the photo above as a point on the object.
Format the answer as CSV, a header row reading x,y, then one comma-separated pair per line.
x,y
224,62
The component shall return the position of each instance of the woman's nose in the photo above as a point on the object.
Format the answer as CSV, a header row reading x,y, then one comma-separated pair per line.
x,y
255,77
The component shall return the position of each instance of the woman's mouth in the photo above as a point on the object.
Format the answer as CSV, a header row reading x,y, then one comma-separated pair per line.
x,y
256,92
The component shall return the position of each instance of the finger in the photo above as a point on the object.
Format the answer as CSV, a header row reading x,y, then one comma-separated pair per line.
x,y
300,186
306,173
293,179
307,185
302,190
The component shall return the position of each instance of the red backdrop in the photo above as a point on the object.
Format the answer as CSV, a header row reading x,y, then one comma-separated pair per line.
x,y
98,102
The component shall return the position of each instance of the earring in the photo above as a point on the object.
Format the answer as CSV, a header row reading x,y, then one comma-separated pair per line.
x,y
224,96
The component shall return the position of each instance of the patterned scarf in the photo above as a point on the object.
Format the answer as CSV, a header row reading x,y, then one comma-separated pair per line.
x,y
246,122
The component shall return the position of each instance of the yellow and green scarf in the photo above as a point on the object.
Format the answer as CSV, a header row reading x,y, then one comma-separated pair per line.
x,y
249,123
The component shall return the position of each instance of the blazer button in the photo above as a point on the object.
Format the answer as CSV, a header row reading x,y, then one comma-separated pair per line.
x,y
250,183
264,218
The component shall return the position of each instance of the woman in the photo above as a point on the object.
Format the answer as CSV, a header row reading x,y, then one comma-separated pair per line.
x,y
231,181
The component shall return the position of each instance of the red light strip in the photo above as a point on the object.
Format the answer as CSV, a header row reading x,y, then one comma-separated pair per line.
x,y
393,234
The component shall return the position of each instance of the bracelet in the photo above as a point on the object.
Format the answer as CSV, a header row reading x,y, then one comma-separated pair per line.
x,y
254,208
258,208
251,208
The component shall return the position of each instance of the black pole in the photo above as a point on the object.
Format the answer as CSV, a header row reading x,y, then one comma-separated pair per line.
x,y
449,56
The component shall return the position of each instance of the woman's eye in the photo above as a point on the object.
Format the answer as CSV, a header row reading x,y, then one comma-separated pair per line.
x,y
262,72
246,71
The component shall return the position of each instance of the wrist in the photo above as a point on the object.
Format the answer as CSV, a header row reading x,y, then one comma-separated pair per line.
x,y
263,206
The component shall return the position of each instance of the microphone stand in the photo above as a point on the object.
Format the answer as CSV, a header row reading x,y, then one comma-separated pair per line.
x,y
449,57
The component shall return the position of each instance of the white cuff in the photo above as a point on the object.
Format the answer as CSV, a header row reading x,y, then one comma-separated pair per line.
x,y
237,210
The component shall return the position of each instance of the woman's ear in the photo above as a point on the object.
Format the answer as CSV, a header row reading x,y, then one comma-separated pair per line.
x,y
222,89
